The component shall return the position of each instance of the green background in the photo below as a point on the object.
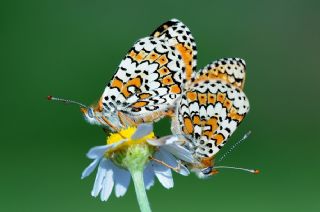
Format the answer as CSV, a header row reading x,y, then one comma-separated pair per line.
x,y
71,48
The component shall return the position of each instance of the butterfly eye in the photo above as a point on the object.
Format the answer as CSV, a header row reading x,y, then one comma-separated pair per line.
x,y
207,170
90,112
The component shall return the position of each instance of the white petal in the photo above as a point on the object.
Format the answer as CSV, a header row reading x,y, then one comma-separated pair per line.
x,y
97,186
169,139
108,182
148,176
163,173
154,142
166,140
121,179
90,168
98,151
168,158
142,130
180,152
184,170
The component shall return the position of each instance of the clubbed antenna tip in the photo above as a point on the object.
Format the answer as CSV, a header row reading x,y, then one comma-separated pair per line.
x,y
256,171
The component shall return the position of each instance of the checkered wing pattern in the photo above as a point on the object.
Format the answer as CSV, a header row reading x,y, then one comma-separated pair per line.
x,y
211,109
151,76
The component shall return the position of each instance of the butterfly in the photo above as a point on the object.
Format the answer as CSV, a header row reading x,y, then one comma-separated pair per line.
x,y
210,109
148,80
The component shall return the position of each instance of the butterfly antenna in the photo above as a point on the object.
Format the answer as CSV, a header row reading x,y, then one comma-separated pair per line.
x,y
253,171
234,146
67,101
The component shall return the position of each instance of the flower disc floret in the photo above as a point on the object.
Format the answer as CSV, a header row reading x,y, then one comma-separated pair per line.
x,y
126,136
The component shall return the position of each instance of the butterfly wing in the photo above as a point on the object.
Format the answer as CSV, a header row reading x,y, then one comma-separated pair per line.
x,y
151,76
231,70
176,32
209,111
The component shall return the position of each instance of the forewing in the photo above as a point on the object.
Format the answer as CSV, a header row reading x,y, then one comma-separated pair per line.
x,y
179,35
209,112
152,75
149,75
231,70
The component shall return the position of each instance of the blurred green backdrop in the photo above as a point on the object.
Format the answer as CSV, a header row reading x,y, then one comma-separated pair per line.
x,y
71,49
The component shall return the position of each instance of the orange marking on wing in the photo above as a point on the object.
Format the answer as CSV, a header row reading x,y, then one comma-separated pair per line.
x,y
163,71
220,73
202,98
227,103
233,114
167,80
156,34
219,139
140,56
136,82
239,84
162,60
231,80
132,54
175,89
192,96
221,97
117,84
144,95
152,57
223,77
139,104
188,126
186,54
196,120
214,74
213,123
211,98
201,78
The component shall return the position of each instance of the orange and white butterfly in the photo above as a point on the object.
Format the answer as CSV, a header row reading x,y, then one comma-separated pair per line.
x,y
148,80
211,107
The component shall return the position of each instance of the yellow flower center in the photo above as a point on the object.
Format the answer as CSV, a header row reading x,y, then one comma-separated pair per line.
x,y
126,134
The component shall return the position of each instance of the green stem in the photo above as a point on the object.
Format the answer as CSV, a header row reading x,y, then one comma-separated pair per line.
x,y
137,177
136,158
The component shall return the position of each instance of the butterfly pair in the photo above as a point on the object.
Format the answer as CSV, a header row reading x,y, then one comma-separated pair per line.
x,y
157,78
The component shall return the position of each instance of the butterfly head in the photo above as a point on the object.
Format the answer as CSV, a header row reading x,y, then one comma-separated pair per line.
x,y
90,115
206,172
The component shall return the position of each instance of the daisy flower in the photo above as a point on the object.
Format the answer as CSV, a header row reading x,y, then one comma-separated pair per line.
x,y
136,153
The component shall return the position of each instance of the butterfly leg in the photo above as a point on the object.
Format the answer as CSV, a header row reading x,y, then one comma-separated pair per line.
x,y
176,169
